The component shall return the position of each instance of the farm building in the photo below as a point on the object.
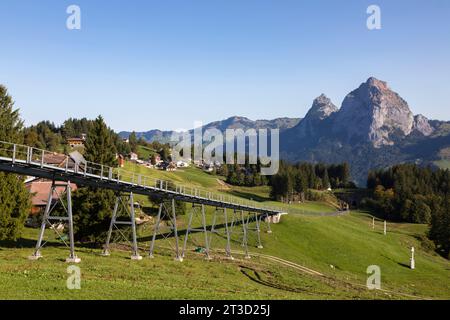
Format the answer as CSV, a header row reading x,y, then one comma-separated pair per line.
x,y
39,189
133,156
75,142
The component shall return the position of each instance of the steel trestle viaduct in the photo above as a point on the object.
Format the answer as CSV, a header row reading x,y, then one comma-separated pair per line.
x,y
29,161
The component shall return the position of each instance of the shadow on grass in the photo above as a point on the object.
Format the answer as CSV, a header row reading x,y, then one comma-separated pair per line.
x,y
404,265
249,196
26,243
397,262
254,276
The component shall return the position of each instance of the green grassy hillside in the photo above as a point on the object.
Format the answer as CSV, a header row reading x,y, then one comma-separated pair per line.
x,y
196,178
309,255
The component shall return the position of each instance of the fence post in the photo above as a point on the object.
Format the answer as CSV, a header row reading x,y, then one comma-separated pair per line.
x,y
14,154
42,158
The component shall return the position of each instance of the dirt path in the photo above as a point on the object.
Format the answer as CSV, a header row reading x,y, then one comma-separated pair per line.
x,y
312,272
223,185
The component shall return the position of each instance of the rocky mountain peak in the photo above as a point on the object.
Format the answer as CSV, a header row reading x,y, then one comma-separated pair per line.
x,y
321,108
374,113
374,82
422,125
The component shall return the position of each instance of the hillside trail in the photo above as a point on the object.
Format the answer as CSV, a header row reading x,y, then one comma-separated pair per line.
x,y
223,185
312,272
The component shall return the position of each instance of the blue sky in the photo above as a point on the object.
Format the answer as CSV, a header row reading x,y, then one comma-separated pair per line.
x,y
166,63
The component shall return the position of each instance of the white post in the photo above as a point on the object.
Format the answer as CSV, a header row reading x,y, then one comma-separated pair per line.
x,y
384,227
373,223
413,263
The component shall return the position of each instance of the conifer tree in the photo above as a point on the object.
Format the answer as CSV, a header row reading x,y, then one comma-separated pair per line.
x,y
132,140
99,146
92,207
14,197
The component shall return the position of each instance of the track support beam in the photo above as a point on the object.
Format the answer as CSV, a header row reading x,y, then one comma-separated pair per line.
x,y
217,213
198,211
125,202
166,213
47,220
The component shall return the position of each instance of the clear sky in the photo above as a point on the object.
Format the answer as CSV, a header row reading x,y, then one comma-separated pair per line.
x,y
167,63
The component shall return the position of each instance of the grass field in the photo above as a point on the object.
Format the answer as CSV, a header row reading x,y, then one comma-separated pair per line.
x,y
324,257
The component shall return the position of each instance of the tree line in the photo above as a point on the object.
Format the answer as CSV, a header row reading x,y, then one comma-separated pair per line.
x,y
292,182
248,175
46,135
407,192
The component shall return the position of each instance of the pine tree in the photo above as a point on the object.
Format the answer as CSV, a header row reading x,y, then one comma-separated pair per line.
x,y
14,197
10,123
92,207
99,146
132,140
345,173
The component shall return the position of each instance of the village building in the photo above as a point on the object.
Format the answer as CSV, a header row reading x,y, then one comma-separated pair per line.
x,y
120,160
133,156
39,189
75,142
171,167
168,166
55,159
60,160
182,164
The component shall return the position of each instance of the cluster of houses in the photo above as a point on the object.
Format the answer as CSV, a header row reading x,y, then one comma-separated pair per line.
x,y
209,166
159,163
174,165
78,142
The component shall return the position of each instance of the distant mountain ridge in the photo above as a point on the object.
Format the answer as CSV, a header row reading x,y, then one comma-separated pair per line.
x,y
234,122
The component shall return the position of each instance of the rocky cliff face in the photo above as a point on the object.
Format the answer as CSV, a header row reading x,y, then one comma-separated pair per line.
x,y
321,109
422,125
373,113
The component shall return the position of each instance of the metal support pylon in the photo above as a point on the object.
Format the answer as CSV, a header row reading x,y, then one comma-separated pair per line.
x,y
217,213
239,218
195,213
125,202
47,218
170,213
257,219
